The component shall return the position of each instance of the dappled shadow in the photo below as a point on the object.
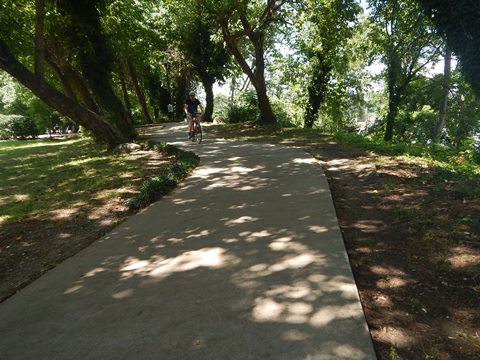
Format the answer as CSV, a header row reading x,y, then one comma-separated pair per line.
x,y
406,240
65,208
244,261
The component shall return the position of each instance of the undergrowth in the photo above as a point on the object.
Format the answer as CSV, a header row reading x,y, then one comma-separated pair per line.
x,y
459,165
157,186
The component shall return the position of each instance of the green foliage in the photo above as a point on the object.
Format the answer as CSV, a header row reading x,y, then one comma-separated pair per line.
x,y
460,22
157,186
163,147
17,127
243,109
416,126
241,113
406,43
393,354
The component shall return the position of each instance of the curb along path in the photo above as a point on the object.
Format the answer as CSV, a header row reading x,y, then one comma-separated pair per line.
x,y
244,260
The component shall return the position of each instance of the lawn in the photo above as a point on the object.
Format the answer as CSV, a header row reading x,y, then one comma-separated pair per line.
x,y
57,196
40,177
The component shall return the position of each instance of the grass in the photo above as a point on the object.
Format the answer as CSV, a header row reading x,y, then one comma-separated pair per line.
x,y
157,186
41,176
446,163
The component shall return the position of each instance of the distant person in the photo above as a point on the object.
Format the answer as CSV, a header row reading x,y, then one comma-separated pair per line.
x,y
191,109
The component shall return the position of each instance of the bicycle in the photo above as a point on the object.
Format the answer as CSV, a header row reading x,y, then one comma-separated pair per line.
x,y
197,135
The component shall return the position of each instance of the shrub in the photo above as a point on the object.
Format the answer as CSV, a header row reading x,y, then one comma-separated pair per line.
x,y
17,126
241,113
157,186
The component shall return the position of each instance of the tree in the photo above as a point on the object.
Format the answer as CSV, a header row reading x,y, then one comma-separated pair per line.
x,y
102,129
95,59
407,44
194,36
246,24
324,27
446,82
208,58
460,22
82,22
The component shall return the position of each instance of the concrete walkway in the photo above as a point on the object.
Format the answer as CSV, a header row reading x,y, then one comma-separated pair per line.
x,y
243,261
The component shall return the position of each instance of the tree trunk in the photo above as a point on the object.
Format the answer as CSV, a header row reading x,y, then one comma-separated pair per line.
x,y
180,95
138,91
39,38
311,111
208,86
96,59
67,88
266,113
70,80
101,129
393,105
126,99
394,94
256,76
319,77
447,77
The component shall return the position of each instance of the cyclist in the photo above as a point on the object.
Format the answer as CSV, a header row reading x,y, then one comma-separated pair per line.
x,y
191,109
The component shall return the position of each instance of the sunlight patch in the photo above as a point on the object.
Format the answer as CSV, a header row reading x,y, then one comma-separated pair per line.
x,y
295,262
4,218
295,335
123,294
305,161
252,237
73,289
213,258
209,171
240,220
327,314
394,336
63,213
95,272
318,229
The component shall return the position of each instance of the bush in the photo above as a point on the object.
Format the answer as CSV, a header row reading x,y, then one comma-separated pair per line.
x,y
241,113
157,186
17,127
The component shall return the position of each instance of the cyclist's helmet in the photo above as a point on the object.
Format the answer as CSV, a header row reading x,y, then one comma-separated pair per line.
x,y
192,93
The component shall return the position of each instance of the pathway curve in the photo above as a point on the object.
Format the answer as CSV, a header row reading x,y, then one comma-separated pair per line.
x,y
243,261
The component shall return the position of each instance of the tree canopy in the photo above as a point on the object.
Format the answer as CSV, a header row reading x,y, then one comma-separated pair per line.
x,y
111,64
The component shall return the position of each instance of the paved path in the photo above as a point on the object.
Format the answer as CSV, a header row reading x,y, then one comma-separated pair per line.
x,y
243,261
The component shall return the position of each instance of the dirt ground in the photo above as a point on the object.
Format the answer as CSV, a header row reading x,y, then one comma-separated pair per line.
x,y
413,242
414,246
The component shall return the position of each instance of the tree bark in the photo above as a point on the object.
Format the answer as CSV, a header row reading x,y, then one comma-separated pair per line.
x,y
39,38
180,94
138,91
256,75
126,99
393,105
208,86
72,83
101,129
447,77
96,60
266,113
311,111
316,89
394,94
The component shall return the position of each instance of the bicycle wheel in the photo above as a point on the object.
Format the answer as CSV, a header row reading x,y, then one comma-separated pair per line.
x,y
199,133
